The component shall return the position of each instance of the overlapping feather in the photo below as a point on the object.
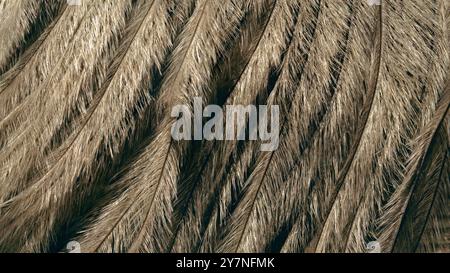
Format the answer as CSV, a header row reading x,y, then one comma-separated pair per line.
x,y
104,128
67,91
363,184
19,22
262,63
86,94
144,208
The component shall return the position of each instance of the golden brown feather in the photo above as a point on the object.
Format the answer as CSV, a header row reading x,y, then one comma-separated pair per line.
x,y
86,145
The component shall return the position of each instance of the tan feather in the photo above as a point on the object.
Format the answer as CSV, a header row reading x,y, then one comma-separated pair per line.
x,y
353,178
86,146
434,236
67,91
262,63
150,182
39,60
435,76
19,20
405,215
318,84
113,110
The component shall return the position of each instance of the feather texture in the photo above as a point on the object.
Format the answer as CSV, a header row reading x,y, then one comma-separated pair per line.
x,y
112,105
350,182
406,212
19,20
261,63
339,119
431,83
36,64
87,151
263,180
434,234
153,175
67,92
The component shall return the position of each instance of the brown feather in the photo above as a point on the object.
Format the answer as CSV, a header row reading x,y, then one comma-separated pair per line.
x,y
150,180
86,146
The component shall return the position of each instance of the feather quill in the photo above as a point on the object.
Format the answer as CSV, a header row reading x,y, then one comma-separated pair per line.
x,y
19,20
261,64
144,207
115,109
353,178
406,213
68,91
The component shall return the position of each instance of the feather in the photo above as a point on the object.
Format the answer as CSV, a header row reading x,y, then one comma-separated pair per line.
x,y
353,178
115,109
435,233
30,74
19,22
67,91
153,175
434,78
87,152
318,80
434,236
262,62
363,117
406,213
337,119
39,60
319,159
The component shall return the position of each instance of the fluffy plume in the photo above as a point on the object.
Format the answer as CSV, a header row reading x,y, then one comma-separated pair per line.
x,y
115,109
86,145
67,91
140,218
262,63
406,214
20,23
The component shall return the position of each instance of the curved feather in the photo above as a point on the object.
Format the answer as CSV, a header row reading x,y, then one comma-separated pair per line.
x,y
434,236
32,72
360,229
360,172
314,181
319,160
262,62
321,73
403,220
145,206
316,159
68,91
85,127
39,60
116,108
18,22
